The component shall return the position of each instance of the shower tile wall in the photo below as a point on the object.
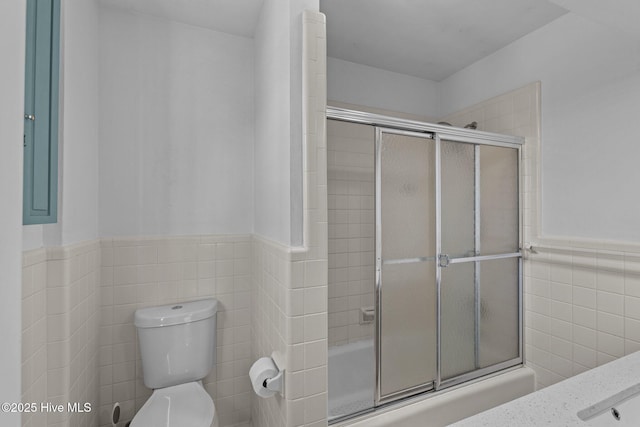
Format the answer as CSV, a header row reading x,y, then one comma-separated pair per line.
x,y
140,272
351,204
60,328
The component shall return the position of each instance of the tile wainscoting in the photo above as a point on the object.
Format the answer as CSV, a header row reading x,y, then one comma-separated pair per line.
x,y
80,344
140,272
582,308
79,341
60,320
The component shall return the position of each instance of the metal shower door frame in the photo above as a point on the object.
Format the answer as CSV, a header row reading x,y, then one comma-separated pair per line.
x,y
477,259
435,134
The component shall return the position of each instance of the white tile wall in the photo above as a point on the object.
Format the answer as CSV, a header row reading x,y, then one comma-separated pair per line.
x,y
60,325
307,400
270,326
140,272
79,342
34,333
290,319
582,309
351,190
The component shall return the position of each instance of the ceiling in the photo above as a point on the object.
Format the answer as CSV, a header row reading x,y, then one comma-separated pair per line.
x,y
238,17
431,39
621,15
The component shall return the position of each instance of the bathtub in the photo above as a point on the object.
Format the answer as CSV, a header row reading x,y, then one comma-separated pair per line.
x,y
351,388
351,378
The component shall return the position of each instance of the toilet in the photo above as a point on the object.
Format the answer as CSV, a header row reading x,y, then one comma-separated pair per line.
x,y
178,349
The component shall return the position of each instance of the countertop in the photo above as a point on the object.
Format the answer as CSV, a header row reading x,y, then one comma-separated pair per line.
x,y
557,405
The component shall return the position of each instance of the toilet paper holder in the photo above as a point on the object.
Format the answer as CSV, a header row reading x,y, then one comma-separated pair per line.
x,y
267,378
275,383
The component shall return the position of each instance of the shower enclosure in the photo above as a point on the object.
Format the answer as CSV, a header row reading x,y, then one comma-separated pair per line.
x,y
424,258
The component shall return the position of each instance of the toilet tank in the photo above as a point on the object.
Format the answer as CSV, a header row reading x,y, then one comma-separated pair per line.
x,y
177,342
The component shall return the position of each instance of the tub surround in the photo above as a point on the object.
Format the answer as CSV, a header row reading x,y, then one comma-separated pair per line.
x,y
559,404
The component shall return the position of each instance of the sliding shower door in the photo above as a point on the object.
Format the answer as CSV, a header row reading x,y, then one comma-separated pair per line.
x,y
447,292
479,260
406,253
448,261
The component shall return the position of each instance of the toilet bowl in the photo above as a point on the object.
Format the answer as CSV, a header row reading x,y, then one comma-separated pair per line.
x,y
177,347
184,405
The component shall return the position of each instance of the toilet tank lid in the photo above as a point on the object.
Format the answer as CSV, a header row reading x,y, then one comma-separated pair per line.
x,y
175,314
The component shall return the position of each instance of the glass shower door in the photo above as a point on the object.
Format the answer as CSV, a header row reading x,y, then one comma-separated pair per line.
x,y
480,262
405,263
448,261
447,299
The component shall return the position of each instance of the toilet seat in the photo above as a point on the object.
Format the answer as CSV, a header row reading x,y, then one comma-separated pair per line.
x,y
183,405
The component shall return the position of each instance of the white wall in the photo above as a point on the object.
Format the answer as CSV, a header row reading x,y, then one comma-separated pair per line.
x,y
12,35
373,87
295,21
176,128
272,120
79,93
278,115
78,132
590,78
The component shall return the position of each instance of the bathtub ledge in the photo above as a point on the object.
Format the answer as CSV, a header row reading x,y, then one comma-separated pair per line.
x,y
559,404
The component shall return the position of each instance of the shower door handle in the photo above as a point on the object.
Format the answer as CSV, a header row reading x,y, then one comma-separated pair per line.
x,y
443,260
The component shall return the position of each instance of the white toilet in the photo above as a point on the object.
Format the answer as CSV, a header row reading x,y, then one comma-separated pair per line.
x,y
178,349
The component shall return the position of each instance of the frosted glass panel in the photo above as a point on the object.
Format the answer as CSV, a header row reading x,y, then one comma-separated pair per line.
x,y
485,177
499,331
351,227
407,196
408,292
458,319
498,200
458,199
408,320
